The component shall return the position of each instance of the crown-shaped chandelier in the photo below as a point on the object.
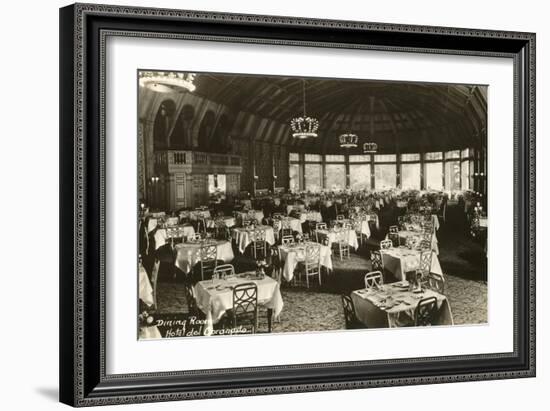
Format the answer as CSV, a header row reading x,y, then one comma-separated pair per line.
x,y
167,81
304,126
348,140
370,148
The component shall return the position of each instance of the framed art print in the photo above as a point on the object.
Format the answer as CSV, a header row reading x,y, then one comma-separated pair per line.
x,y
260,204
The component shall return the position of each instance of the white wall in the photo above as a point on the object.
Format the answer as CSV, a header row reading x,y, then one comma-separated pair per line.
x,y
29,179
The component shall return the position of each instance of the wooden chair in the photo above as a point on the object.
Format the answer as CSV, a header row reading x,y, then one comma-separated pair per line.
x,y
425,245
352,322
436,282
311,265
319,226
247,222
427,236
245,305
425,312
376,261
286,230
258,243
287,240
358,228
394,229
341,244
340,217
208,255
425,265
386,244
374,280
224,270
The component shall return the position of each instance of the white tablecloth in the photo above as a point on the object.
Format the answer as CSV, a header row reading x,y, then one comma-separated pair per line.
x,y
187,254
161,237
214,298
293,255
352,237
400,260
145,288
243,238
371,310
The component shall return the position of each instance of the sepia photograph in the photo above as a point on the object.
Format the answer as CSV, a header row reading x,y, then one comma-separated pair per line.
x,y
273,204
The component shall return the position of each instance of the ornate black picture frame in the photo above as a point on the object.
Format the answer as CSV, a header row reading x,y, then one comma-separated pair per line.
x,y
83,30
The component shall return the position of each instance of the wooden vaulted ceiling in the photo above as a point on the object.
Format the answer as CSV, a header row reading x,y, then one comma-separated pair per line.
x,y
398,116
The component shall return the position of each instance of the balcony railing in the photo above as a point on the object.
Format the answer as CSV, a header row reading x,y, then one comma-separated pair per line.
x,y
189,161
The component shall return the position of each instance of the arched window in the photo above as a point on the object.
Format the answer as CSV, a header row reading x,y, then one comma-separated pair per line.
x,y
163,122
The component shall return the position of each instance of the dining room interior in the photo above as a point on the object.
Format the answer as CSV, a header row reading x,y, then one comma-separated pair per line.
x,y
273,204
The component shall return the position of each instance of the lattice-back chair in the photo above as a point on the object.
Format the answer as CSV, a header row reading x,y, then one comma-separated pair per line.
x,y
312,262
341,244
277,227
245,305
258,243
286,240
246,222
352,322
208,259
374,280
376,261
425,265
428,224
427,236
358,228
436,282
386,244
224,270
286,228
393,229
425,312
425,245
201,224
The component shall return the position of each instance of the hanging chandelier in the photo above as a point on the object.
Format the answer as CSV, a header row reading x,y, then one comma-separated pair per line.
x,y
167,81
370,148
348,140
304,126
